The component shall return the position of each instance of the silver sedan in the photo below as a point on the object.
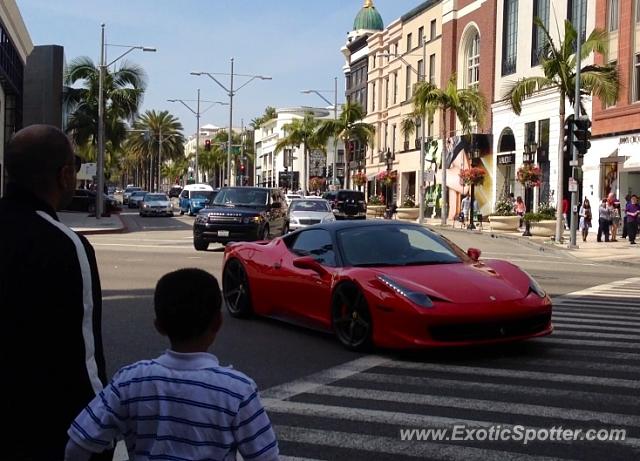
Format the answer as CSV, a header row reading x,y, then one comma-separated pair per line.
x,y
309,211
156,205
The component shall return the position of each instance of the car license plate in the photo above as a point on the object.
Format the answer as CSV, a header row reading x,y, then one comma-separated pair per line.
x,y
223,233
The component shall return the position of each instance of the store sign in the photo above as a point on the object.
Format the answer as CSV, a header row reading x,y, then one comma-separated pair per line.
x,y
629,139
509,159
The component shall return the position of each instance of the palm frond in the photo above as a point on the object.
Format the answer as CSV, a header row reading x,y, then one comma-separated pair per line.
x,y
523,88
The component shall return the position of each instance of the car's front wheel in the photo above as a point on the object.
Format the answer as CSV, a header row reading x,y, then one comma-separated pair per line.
x,y
351,318
235,289
200,244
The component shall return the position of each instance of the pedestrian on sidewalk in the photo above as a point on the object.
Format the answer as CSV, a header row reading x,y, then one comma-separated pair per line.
x,y
585,218
565,212
183,404
604,220
615,220
633,218
627,200
520,208
52,354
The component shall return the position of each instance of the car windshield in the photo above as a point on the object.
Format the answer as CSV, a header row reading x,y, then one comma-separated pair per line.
x,y
132,189
201,194
139,194
156,198
310,205
291,197
242,197
396,245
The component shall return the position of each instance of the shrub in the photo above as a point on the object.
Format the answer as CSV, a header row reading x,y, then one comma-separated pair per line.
x,y
547,211
376,200
504,207
409,202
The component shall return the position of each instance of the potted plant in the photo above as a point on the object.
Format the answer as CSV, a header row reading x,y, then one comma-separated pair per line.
x,y
387,178
543,222
472,176
504,217
408,210
359,179
375,206
529,175
316,183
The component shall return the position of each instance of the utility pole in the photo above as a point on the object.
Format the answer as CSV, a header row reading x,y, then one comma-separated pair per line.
x,y
100,166
576,110
230,127
159,159
197,135
421,187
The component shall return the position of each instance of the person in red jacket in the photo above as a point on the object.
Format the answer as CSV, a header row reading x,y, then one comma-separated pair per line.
x,y
565,212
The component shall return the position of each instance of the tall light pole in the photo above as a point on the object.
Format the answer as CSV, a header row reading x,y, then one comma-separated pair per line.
x,y
197,113
101,74
231,92
335,117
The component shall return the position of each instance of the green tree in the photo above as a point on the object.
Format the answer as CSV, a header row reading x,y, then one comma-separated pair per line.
x,y
348,127
269,114
559,72
467,104
175,169
156,132
123,92
302,132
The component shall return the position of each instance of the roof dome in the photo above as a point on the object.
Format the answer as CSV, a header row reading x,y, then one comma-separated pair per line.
x,y
368,18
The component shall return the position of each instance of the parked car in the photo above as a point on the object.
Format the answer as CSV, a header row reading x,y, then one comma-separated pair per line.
x,y
307,212
241,213
290,197
127,193
156,204
175,191
85,200
347,204
136,197
194,197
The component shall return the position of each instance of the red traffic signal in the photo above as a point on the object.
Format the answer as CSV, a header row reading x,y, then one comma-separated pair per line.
x,y
207,144
242,168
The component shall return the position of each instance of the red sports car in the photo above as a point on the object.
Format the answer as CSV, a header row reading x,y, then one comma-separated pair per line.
x,y
384,283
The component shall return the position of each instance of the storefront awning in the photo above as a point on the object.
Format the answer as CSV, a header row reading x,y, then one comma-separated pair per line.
x,y
632,163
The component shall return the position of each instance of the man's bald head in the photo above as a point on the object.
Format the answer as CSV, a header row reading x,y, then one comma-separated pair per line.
x,y
35,155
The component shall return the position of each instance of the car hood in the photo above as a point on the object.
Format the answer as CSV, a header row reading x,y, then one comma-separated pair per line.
x,y
158,203
462,282
232,211
310,214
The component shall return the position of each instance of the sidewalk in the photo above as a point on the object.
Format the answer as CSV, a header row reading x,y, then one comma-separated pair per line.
x,y
619,253
84,224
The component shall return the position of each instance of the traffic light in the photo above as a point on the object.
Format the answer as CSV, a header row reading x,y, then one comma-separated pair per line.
x,y
242,168
207,145
581,135
330,171
566,141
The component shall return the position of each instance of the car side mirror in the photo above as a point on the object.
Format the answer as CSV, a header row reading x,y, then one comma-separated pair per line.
x,y
307,262
474,253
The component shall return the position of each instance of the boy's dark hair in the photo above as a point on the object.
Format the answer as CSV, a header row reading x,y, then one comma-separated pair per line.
x,y
186,301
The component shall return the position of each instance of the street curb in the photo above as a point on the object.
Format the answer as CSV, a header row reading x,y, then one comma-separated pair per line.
x,y
119,230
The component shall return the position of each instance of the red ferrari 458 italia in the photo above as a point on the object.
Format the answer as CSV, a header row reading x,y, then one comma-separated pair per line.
x,y
384,283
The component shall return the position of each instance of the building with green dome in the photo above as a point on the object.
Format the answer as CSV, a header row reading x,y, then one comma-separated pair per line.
x,y
368,19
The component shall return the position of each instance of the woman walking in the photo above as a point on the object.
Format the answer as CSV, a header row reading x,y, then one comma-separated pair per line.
x,y
520,208
585,218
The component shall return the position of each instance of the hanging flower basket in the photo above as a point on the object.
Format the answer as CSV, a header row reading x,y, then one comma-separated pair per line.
x,y
387,178
359,178
529,175
472,176
316,183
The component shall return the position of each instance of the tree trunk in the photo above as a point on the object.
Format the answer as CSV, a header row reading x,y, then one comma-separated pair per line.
x,y
560,169
346,163
445,190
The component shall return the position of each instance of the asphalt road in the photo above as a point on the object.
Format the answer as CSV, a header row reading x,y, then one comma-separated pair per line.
x,y
329,403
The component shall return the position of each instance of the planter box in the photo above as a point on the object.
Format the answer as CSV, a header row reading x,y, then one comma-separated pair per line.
x,y
504,223
375,210
543,228
408,213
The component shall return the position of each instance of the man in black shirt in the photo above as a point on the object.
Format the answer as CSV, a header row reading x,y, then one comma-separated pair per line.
x,y
50,300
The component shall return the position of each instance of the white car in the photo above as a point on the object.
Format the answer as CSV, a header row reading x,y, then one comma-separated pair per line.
x,y
156,205
289,197
309,211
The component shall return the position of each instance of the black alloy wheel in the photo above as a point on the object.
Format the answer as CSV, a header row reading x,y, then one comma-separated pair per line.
x,y
200,244
351,318
235,289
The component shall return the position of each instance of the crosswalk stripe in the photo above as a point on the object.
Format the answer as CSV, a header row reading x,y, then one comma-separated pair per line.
x,y
395,446
563,302
566,350
591,316
499,372
569,363
580,342
583,327
525,409
599,321
586,334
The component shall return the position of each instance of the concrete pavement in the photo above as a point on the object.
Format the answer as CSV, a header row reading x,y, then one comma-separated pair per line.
x,y
83,223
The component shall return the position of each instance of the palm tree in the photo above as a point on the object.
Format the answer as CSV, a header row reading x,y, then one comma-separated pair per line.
x,y
269,113
302,132
157,134
175,168
349,126
467,104
123,92
558,66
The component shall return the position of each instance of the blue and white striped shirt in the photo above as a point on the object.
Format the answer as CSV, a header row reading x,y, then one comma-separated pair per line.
x,y
178,407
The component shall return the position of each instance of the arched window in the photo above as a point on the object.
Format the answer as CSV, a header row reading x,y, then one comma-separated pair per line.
x,y
472,60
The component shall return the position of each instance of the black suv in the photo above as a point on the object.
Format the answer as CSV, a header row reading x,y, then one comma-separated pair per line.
x,y
347,204
240,214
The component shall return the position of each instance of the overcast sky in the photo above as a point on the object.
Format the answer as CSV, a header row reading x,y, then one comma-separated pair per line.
x,y
296,42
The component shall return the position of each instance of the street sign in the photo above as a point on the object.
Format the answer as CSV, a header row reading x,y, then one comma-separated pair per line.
x,y
574,163
429,175
573,185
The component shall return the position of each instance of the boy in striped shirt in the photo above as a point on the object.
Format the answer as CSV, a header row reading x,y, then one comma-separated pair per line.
x,y
182,405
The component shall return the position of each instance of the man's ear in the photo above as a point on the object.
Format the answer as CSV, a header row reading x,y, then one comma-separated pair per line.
x,y
159,328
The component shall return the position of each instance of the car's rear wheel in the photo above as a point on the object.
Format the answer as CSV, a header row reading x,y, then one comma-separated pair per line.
x,y
181,211
235,289
351,317
200,244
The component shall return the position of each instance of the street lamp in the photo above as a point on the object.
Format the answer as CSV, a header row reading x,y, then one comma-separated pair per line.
x,y
389,157
475,156
101,74
528,157
231,92
197,113
335,117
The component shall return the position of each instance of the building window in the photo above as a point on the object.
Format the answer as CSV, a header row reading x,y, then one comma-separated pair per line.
x,y
605,106
409,37
420,36
395,87
636,79
529,132
473,61
509,37
612,15
373,96
386,136
572,15
386,92
408,92
393,139
421,70
637,10
432,30
395,49
539,40
432,69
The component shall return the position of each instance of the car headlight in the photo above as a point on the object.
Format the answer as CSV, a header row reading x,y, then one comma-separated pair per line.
x,y
201,218
329,218
415,297
294,221
536,288
146,205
